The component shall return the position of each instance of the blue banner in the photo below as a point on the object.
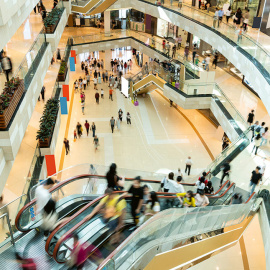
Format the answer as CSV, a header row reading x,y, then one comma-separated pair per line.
x,y
72,63
63,105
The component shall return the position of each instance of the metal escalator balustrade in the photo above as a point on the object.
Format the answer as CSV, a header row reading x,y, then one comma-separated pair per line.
x,y
170,227
62,247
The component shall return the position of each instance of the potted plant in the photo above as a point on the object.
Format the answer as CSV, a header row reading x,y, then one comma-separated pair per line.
x,y
9,100
52,19
47,122
62,72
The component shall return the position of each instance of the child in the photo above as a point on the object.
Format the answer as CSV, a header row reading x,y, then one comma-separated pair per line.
x,y
76,86
102,93
75,134
240,33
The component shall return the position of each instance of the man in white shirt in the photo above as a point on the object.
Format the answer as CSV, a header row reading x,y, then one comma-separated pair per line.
x,y
207,62
175,186
165,184
43,195
189,162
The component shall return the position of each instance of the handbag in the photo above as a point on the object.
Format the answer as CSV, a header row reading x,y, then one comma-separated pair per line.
x,y
81,129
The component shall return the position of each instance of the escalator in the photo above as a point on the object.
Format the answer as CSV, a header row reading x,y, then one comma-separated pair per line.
x,y
91,7
96,232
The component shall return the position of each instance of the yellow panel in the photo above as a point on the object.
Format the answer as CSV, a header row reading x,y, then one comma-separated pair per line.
x,y
191,252
100,8
150,78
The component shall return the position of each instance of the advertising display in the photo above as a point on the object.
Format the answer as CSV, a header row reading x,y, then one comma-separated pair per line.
x,y
124,86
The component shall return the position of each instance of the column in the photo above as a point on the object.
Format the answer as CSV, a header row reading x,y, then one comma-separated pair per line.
x,y
107,22
107,60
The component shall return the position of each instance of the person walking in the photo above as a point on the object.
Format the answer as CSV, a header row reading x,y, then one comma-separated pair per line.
x,y
179,41
42,93
95,83
255,179
255,126
102,93
93,128
215,18
75,135
112,123
96,143
186,52
6,65
173,50
84,83
87,79
207,62
86,124
228,13
66,143
220,15
189,162
128,118
82,105
120,114
264,137
246,20
79,129
111,93
97,97
194,52
257,143
58,55
215,60
251,116
137,198
226,169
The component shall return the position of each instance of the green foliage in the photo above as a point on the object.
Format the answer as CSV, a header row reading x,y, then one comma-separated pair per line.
x,y
53,17
8,92
48,119
62,68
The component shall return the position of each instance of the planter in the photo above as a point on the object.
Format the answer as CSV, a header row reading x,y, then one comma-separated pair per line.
x,y
52,20
50,29
14,101
47,123
62,77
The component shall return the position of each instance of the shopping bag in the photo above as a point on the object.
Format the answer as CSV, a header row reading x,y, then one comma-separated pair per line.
x,y
74,140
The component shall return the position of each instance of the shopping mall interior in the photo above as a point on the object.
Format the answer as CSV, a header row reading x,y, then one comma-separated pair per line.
x,y
134,134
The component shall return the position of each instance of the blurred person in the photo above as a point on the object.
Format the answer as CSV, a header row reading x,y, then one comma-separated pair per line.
x,y
246,20
102,93
112,123
179,173
257,142
128,118
215,19
239,34
226,169
201,199
97,97
82,105
137,198
66,143
78,254
251,116
165,184
186,53
84,83
264,136
189,162
255,179
58,55
111,93
200,184
187,199
254,127
96,143
220,15
228,13
6,65
152,207
25,263
173,50
42,93
120,114
79,129
75,135
215,60
113,180
112,207
93,128
209,188
176,186
55,2
236,199
86,124
146,192
207,62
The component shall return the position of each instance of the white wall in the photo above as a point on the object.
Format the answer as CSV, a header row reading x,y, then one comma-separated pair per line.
x,y
12,14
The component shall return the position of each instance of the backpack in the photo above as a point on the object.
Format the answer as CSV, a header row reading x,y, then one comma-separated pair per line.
x,y
257,130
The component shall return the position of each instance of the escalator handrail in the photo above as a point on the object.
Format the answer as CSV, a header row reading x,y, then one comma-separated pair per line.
x,y
68,233
250,197
137,230
65,182
63,237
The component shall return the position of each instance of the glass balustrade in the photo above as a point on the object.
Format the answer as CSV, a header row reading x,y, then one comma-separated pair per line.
x,y
173,226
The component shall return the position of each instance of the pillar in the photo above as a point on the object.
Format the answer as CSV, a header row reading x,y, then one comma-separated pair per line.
x,y
107,22
108,57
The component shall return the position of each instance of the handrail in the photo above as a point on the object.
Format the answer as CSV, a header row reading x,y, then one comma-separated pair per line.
x,y
65,235
12,201
9,227
251,197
